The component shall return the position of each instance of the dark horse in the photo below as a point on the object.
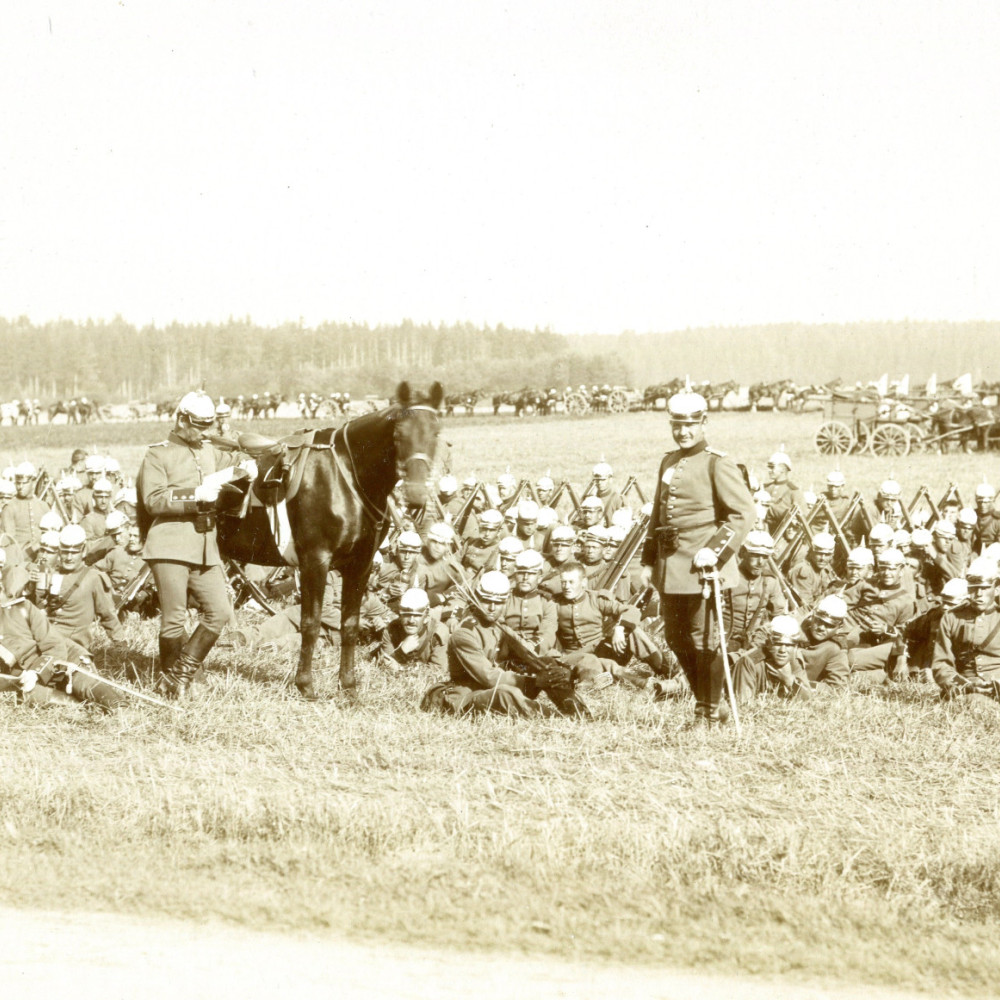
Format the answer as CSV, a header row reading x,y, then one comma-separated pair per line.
x,y
339,515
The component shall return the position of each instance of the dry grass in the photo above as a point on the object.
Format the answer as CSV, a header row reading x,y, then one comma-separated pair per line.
x,y
854,837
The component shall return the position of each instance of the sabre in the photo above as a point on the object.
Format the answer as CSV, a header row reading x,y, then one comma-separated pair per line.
x,y
72,668
712,579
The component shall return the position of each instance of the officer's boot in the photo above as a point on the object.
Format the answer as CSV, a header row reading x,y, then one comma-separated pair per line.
x,y
190,659
170,649
708,693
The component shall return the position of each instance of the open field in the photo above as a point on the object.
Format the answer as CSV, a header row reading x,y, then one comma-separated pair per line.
x,y
856,838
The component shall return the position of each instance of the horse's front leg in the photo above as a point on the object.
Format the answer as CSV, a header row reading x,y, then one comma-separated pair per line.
x,y
355,581
312,580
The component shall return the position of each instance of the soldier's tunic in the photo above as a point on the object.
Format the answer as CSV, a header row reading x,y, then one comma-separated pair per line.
x,y
879,610
437,577
431,649
20,520
83,502
748,608
76,600
944,566
593,571
825,663
753,676
987,530
121,567
967,645
533,618
612,502
477,555
698,492
183,558
95,525
783,497
811,582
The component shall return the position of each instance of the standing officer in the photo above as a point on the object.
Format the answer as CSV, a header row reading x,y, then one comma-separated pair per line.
x,y
176,510
702,512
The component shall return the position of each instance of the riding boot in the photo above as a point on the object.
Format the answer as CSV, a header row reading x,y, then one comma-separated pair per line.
x,y
711,677
187,663
170,649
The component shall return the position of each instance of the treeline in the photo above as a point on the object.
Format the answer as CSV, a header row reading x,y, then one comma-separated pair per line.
x,y
116,361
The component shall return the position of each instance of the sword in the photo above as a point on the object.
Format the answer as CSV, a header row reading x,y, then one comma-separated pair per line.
x,y
712,579
72,668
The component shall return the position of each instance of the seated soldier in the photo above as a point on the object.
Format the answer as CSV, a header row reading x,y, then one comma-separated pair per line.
x,y
37,659
921,631
448,498
479,552
987,517
857,574
544,488
508,549
946,561
591,513
526,525
783,494
437,569
506,485
115,536
123,566
774,666
965,529
591,558
756,598
889,505
611,499
562,540
966,659
815,577
414,639
529,613
598,633
399,574
76,596
94,522
879,620
824,650
880,538
477,657
839,506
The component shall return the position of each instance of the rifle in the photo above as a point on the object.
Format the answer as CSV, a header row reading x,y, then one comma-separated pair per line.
x,y
57,501
786,588
132,589
619,564
258,595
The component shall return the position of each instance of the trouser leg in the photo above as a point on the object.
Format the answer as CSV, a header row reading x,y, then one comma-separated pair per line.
x,y
191,657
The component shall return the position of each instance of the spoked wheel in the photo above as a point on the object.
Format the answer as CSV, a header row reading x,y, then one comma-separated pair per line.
x,y
576,403
889,441
834,438
618,401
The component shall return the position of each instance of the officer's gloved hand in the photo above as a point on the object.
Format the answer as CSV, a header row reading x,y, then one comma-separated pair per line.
x,y
28,679
206,493
646,576
705,559
618,639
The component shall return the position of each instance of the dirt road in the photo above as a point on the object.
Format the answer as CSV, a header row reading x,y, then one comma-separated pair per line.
x,y
109,957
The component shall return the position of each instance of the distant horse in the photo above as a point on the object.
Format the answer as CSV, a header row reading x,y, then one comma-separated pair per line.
x,y
339,515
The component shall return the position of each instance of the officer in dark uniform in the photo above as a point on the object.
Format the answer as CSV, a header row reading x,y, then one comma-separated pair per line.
x,y
176,509
702,511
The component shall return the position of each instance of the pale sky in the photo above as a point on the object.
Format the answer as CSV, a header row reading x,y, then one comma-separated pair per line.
x,y
578,165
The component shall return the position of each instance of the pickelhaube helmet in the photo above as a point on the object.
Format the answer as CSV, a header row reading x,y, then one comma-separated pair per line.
x,y
493,586
686,407
414,601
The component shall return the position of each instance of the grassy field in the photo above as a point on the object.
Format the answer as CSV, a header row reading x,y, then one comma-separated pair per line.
x,y
856,837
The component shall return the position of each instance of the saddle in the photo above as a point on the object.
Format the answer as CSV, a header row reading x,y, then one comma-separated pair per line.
x,y
281,463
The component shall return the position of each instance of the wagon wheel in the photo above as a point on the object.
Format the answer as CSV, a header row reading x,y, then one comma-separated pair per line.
x,y
834,438
919,438
577,404
618,401
889,441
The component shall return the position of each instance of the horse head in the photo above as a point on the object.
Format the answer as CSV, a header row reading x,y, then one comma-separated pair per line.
x,y
415,437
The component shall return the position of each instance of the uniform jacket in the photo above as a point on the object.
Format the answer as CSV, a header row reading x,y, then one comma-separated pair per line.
x,y
751,602
169,473
474,650
811,583
825,663
580,623
26,635
882,608
20,519
431,649
121,567
697,492
967,644
533,617
783,497
76,600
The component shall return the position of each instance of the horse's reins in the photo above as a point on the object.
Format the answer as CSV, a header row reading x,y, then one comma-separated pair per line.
x,y
367,504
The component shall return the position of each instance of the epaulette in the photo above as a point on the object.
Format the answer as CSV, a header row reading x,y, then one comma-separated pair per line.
x,y
160,444
12,602
715,451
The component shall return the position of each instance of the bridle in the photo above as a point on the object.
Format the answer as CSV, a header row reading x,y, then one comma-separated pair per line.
x,y
417,455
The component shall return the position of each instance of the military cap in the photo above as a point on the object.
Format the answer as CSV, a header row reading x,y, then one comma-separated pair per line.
x,y
377,559
944,527
116,519
112,465
409,540
686,408
562,533
968,517
511,545
127,495
602,471
956,589
545,483
784,627
992,551
861,557
50,521
597,533
506,479
823,541
982,572
592,502
622,518
832,607
762,497
616,534
985,491
881,532
223,409
759,543
810,498
198,407
546,517
527,510
68,484
891,557
72,536
647,509
8,473
441,532
104,486
49,540
24,471
94,463
414,601
493,586
901,539
7,488
921,538
528,559
470,481
835,478
890,489
490,518
447,484
780,458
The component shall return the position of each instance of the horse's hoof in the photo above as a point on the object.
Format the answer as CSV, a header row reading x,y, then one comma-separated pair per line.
x,y
307,692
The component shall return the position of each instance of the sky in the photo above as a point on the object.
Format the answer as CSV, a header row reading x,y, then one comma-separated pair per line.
x,y
578,166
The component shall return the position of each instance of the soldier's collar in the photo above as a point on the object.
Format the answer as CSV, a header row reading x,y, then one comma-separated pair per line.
x,y
695,449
